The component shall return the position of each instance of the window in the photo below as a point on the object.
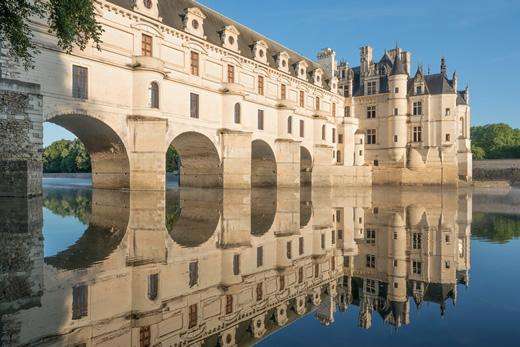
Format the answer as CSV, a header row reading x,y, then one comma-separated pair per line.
x,y
146,45
283,92
260,256
333,135
418,90
192,316
370,286
417,241
396,138
289,250
448,239
145,337
447,264
322,241
153,286
289,125
236,264
371,87
302,98
371,261
79,302
323,129
300,245
261,85
417,108
396,90
153,98
260,119
395,263
300,275
282,282
340,234
316,270
371,112
448,137
396,285
371,136
346,261
317,103
79,82
376,162
194,105
340,138
195,63
347,111
302,128
338,160
417,267
259,292
333,263
396,111
194,273
237,113
333,236
448,112
229,304
371,236
333,109
417,134
231,74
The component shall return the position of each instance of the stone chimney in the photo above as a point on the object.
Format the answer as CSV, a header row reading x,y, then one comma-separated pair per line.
x,y
327,61
366,58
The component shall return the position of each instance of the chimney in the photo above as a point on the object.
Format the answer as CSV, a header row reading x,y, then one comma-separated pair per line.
x,y
366,58
327,61
406,57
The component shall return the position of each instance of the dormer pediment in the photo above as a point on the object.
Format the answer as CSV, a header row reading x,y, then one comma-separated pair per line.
x,y
260,51
193,21
229,36
148,8
282,61
301,69
317,76
334,84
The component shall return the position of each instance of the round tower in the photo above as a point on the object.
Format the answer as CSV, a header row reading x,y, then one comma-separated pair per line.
x,y
397,259
398,108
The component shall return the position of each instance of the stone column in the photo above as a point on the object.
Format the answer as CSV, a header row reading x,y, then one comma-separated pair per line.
x,y
147,153
236,159
287,153
322,168
21,134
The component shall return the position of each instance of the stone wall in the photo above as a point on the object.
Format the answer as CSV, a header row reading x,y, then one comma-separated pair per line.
x,y
493,170
21,135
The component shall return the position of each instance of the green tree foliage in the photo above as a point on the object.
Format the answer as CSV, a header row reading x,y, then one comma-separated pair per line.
x,y
69,203
495,141
172,160
72,21
65,156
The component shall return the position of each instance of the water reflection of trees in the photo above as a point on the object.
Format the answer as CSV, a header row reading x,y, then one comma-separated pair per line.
x,y
498,228
69,202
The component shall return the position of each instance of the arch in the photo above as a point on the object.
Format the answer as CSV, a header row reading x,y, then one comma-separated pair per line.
x,y
263,210
200,164
153,97
237,113
108,154
263,165
305,166
323,132
192,216
289,125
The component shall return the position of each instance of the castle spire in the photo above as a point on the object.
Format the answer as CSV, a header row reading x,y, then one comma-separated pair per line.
x,y
399,67
444,68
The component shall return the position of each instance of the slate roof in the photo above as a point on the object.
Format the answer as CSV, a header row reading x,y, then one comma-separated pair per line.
x,y
399,68
172,11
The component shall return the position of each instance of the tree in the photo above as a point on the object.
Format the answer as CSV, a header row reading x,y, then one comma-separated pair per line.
x,y
65,156
172,160
72,21
495,141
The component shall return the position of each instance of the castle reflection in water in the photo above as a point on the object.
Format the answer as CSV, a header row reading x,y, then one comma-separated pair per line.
x,y
207,268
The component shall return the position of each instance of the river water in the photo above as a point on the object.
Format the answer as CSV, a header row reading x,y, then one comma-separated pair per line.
x,y
309,267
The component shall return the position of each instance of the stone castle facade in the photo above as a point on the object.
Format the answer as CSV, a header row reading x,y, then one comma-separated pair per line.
x,y
241,110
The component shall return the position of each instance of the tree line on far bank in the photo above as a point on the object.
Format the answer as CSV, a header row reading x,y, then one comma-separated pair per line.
x,y
495,141
65,156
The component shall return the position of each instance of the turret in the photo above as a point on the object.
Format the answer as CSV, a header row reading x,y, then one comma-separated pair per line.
x,y
366,58
454,81
397,260
398,108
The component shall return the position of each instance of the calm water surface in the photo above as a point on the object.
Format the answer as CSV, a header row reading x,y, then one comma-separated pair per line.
x,y
310,267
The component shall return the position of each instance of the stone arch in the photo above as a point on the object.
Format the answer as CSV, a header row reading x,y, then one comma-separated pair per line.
x,y
263,210
305,166
108,153
263,165
200,164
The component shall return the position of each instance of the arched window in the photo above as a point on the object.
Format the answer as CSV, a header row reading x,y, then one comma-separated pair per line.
x,y
323,134
237,113
289,125
153,286
154,95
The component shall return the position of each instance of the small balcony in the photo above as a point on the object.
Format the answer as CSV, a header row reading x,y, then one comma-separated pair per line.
x,y
148,63
232,88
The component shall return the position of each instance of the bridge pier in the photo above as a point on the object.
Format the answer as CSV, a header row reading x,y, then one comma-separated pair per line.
x,y
236,159
322,166
21,134
287,153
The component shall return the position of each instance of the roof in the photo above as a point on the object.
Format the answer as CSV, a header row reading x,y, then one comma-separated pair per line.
x,y
399,67
172,12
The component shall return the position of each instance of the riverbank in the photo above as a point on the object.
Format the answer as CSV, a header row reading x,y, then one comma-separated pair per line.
x,y
497,170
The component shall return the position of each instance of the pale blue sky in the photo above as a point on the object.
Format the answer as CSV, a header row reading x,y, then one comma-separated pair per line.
x,y
479,38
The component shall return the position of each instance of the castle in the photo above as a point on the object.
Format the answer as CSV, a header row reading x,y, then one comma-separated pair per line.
x,y
241,110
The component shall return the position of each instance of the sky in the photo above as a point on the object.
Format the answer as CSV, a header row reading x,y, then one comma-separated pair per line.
x,y
479,38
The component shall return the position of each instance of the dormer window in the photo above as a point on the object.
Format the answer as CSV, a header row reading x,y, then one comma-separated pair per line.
x,y
282,60
260,51
194,21
147,7
334,85
371,87
318,77
146,45
229,37
301,69
418,90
